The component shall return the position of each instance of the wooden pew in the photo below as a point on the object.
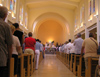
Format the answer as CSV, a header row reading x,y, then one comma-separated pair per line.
x,y
63,58
59,55
31,64
66,60
81,67
41,57
68,57
71,62
21,72
92,63
76,63
11,73
27,64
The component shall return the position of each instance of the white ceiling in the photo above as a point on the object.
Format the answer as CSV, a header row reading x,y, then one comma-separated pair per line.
x,y
69,4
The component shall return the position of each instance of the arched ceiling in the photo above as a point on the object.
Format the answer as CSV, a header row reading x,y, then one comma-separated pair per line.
x,y
69,4
53,16
58,10
51,30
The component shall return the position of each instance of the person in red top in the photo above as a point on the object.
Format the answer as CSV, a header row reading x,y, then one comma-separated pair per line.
x,y
30,44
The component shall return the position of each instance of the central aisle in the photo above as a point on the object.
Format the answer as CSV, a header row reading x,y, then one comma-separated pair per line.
x,y
52,67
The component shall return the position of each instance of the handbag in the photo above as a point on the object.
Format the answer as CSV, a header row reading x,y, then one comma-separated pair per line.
x,y
98,50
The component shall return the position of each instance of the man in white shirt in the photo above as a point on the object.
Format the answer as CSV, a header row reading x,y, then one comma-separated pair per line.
x,y
67,47
78,44
72,48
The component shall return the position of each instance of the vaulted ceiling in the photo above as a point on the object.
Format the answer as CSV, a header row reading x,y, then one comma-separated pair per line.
x,y
68,4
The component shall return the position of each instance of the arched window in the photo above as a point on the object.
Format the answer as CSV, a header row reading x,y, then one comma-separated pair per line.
x,y
90,8
26,20
93,6
21,15
13,7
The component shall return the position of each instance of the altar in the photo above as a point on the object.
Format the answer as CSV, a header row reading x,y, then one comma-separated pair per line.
x,y
50,49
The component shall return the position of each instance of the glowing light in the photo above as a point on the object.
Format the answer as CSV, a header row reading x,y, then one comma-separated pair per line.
x,y
14,17
1,4
9,11
21,24
81,25
50,40
26,28
90,19
95,15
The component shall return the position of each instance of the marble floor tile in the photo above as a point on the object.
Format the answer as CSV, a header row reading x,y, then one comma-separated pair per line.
x,y
52,67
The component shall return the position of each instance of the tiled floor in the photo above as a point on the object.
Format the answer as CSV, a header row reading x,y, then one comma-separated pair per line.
x,y
52,67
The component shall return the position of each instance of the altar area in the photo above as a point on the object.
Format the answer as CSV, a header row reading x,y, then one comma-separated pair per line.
x,y
50,48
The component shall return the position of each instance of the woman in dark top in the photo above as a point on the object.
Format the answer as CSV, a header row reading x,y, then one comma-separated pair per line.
x,y
19,33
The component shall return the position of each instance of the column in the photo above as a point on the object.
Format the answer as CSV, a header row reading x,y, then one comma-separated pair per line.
x,y
17,11
98,29
98,24
86,17
86,31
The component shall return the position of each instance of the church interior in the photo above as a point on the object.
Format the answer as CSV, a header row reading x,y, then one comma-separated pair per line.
x,y
55,22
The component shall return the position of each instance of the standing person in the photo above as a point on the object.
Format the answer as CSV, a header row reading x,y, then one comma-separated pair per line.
x,y
78,44
30,44
41,46
68,46
90,45
19,33
43,50
72,48
37,51
6,42
16,48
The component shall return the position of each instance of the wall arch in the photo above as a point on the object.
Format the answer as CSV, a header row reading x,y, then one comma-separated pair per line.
x,y
51,16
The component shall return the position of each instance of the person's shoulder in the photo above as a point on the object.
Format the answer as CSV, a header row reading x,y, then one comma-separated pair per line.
x,y
19,31
75,40
33,39
15,37
6,25
86,40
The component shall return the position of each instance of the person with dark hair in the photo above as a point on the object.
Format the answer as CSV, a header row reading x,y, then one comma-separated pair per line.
x,y
30,34
91,35
30,44
90,45
37,51
78,44
19,33
6,42
69,40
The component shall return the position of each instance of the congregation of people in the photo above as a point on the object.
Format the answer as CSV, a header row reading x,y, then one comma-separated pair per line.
x,y
87,47
13,43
